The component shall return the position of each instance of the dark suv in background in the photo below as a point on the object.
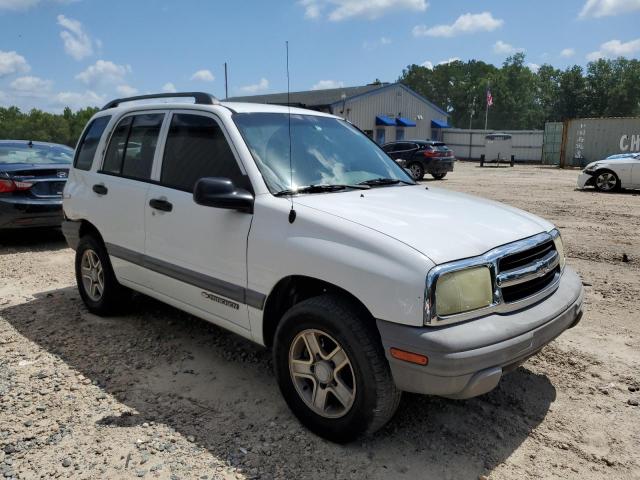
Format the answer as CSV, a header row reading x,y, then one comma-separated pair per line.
x,y
422,156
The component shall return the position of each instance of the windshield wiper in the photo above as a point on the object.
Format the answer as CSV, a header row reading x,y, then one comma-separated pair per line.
x,y
384,181
319,189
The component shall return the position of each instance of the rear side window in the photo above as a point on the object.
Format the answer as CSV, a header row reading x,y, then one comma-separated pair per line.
x,y
196,147
133,146
89,143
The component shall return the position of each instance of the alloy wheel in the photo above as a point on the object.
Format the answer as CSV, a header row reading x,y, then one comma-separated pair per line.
x,y
322,373
606,181
92,275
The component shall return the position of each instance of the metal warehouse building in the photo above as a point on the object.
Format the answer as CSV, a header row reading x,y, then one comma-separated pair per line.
x,y
384,111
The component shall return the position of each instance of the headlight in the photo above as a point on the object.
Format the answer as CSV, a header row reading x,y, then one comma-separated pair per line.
x,y
557,239
463,290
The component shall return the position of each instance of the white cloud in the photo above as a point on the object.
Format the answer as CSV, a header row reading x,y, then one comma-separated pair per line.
x,y
261,86
17,4
615,48
370,9
376,43
103,72
26,4
325,84
169,88
427,64
203,76
464,24
608,8
501,47
567,52
31,84
534,67
11,62
126,90
76,42
76,100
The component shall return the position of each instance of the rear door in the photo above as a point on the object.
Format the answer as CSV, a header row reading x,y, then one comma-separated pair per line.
x,y
197,254
119,191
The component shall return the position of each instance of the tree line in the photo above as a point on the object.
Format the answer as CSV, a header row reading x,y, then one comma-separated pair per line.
x,y
62,128
524,98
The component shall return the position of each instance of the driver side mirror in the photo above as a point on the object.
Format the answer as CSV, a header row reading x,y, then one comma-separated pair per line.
x,y
220,192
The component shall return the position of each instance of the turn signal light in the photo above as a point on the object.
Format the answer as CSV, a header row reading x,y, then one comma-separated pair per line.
x,y
409,356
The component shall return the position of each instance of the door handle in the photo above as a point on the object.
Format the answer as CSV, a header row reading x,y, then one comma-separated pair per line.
x,y
100,189
160,204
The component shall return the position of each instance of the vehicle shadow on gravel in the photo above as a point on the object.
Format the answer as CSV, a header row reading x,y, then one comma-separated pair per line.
x,y
31,240
169,367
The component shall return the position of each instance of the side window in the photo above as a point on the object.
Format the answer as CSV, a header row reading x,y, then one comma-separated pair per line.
x,y
133,145
89,143
196,148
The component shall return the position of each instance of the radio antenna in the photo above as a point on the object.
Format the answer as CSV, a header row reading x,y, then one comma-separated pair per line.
x,y
292,212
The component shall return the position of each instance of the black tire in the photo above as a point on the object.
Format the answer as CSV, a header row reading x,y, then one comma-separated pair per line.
x,y
607,188
114,296
375,398
439,176
417,170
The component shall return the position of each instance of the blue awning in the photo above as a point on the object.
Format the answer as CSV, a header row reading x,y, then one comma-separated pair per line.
x,y
405,122
439,124
385,121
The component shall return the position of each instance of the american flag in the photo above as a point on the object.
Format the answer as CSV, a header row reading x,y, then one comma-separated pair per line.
x,y
489,98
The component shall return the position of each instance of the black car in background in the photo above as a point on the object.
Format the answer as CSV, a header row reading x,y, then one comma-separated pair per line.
x,y
32,177
422,156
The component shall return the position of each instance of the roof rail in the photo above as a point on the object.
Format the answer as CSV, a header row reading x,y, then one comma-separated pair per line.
x,y
201,98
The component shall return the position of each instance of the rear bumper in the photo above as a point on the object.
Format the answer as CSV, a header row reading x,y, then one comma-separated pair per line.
x,y
468,359
584,180
439,166
16,212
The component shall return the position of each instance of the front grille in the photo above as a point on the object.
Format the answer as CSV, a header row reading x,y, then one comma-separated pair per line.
x,y
521,260
526,289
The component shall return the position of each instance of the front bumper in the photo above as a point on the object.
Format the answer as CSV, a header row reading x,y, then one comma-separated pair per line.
x,y
468,359
585,179
17,212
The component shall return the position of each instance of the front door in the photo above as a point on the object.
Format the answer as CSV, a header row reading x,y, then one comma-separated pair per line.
x,y
196,255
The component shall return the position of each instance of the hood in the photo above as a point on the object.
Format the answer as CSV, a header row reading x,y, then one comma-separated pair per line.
x,y
441,224
621,158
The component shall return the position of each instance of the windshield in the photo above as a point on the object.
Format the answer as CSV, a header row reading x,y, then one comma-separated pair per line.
x,y
324,151
18,152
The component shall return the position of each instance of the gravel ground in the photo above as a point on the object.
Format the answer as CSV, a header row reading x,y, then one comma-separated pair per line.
x,y
160,394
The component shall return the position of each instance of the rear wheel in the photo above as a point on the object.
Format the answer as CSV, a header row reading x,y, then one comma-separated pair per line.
x,y
417,171
439,176
97,284
331,369
606,181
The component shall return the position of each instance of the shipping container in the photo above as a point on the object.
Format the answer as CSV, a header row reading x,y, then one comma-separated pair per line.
x,y
586,140
470,144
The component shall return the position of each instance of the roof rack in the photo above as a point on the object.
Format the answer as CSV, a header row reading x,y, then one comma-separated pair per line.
x,y
201,98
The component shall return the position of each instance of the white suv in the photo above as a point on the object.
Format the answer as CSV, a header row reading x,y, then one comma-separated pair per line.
x,y
293,229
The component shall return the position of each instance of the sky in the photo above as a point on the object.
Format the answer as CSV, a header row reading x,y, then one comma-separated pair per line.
x,y
77,53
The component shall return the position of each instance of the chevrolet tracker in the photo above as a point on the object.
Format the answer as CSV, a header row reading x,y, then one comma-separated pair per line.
x,y
293,229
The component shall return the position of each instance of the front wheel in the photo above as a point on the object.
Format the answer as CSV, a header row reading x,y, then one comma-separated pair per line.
x,y
439,176
331,369
417,171
606,181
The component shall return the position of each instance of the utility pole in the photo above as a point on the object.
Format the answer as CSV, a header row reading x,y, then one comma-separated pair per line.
x,y
226,85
